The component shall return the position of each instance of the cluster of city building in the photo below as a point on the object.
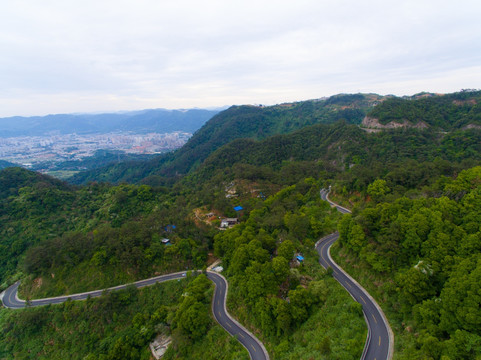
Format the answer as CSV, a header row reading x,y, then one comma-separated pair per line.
x,y
31,150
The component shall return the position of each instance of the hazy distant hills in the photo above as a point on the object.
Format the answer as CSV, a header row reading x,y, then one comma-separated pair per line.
x,y
4,164
145,121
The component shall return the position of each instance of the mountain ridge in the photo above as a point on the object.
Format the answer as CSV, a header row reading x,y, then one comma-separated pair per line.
x,y
454,111
142,121
245,121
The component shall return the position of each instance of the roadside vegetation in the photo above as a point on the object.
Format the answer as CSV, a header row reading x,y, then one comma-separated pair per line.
x,y
277,286
421,258
120,325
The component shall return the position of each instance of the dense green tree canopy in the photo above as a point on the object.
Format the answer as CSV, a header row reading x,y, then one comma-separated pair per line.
x,y
432,247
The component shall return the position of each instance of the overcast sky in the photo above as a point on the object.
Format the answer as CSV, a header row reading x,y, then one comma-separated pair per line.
x,y
62,56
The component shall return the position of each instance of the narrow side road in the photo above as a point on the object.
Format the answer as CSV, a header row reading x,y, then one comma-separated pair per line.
x,y
255,348
380,342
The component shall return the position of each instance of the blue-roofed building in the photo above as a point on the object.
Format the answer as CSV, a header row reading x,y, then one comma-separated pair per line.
x,y
300,258
170,228
238,208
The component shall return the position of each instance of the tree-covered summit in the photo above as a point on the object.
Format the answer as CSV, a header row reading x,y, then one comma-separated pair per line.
x,y
447,112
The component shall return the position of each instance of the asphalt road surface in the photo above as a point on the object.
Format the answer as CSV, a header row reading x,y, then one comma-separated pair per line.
x,y
324,196
379,344
11,300
254,347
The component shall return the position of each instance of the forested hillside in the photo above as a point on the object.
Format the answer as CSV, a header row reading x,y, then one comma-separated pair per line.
x,y
75,239
408,159
103,235
344,146
120,325
426,255
413,239
287,299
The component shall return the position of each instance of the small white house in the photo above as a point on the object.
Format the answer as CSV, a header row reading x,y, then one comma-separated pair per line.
x,y
228,222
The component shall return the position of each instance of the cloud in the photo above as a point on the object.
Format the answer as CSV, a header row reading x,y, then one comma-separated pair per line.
x,y
68,56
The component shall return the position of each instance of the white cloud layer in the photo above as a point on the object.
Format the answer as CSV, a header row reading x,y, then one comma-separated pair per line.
x,y
71,56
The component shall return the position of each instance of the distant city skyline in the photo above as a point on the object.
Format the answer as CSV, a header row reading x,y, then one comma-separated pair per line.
x,y
102,56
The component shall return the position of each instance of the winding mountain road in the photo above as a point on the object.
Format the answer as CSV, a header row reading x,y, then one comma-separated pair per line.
x,y
255,348
379,343
380,340
10,297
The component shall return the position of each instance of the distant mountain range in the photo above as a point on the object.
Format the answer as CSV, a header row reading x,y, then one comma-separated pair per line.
x,y
5,164
144,121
